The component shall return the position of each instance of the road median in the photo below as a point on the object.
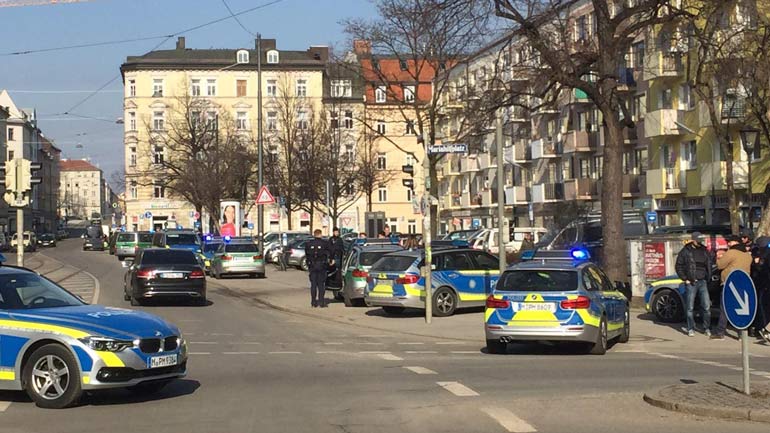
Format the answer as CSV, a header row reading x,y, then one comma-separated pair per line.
x,y
715,400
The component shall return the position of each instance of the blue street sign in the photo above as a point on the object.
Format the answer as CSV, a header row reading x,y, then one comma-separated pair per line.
x,y
251,226
281,201
739,299
651,216
476,223
148,214
197,224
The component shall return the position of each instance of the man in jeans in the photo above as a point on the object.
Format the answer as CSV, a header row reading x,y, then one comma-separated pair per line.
x,y
693,266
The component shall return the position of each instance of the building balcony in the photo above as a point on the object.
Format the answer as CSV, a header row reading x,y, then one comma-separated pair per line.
x,y
486,161
545,148
522,151
576,141
488,197
581,189
465,200
454,200
632,185
661,181
714,175
663,122
517,195
733,110
664,65
547,192
626,79
469,164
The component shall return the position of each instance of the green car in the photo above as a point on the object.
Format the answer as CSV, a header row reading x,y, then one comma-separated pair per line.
x,y
128,243
238,257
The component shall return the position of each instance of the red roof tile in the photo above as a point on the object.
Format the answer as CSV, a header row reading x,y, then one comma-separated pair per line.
x,y
76,165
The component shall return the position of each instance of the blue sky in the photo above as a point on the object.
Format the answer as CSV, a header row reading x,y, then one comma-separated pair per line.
x,y
50,81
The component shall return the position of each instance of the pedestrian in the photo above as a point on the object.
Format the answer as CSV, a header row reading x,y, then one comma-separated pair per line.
x,y
385,233
318,255
734,258
746,240
760,273
337,250
526,243
411,243
362,235
693,266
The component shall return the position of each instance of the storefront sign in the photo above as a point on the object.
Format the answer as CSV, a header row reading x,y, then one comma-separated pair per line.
x,y
654,260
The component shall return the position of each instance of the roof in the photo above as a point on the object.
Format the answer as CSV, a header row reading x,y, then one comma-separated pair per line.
x,y
379,247
76,165
196,58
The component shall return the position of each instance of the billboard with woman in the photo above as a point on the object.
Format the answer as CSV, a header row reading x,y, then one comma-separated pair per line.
x,y
230,218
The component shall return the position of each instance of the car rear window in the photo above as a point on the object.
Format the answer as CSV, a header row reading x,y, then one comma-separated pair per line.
x,y
94,232
370,258
393,263
126,237
530,280
145,237
211,247
169,257
181,239
241,248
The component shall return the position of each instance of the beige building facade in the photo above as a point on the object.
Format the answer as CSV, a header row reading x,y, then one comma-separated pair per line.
x,y
81,192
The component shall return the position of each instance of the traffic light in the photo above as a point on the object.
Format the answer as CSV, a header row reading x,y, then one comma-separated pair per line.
x,y
409,183
9,175
28,169
408,169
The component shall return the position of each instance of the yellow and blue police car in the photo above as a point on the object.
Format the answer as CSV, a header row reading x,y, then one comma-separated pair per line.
x,y
556,296
54,346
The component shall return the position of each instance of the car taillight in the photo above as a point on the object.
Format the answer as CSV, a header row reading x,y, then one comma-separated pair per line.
x,y
145,273
408,279
369,279
197,273
497,303
226,257
358,273
257,257
579,303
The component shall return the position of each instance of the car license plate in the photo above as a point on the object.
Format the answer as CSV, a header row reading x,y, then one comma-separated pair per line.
x,y
383,282
535,306
243,259
163,361
172,275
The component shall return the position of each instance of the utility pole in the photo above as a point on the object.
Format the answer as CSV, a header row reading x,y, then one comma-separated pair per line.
x,y
426,238
260,181
502,230
18,177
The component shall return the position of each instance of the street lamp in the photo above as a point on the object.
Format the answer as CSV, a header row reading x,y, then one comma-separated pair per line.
x,y
750,141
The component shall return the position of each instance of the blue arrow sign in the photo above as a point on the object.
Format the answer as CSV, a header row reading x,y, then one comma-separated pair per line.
x,y
739,299
652,216
148,214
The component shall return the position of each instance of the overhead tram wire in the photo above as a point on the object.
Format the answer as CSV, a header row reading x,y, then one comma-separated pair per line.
x,y
237,20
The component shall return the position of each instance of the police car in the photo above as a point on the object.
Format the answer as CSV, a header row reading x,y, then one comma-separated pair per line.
x,y
556,296
461,277
54,346
356,265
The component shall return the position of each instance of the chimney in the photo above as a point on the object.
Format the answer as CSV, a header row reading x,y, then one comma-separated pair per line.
x,y
319,52
180,43
267,44
361,46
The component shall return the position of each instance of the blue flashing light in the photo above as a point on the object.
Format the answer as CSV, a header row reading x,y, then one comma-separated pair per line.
x,y
580,254
527,255
208,238
359,242
460,243
227,239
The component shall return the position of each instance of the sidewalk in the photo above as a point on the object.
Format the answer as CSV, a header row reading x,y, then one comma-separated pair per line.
x,y
716,400
76,281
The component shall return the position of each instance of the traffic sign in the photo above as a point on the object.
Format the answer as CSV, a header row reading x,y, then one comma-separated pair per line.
x,y
264,196
251,226
448,148
148,214
739,299
196,215
114,205
651,216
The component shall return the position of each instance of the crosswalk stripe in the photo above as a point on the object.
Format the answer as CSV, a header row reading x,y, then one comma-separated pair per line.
x,y
508,420
458,389
4,405
390,357
420,370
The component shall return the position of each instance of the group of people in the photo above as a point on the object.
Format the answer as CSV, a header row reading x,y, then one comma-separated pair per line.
x,y
695,266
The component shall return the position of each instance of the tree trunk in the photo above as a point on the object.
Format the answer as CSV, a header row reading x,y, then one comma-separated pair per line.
x,y
434,218
615,253
764,222
732,200
288,216
369,200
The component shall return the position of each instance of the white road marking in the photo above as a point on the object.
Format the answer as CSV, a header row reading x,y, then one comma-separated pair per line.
x,y
240,353
465,352
284,353
458,389
390,357
204,342
327,352
371,344
420,370
410,344
447,343
4,405
421,351
373,352
508,420
200,353
333,343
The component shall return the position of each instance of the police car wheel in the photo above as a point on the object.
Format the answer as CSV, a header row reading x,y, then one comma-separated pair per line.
x,y
626,334
667,306
444,302
495,347
51,377
303,265
152,387
600,346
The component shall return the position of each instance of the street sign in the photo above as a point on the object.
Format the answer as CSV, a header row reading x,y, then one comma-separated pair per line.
x,y
197,224
739,299
448,148
264,196
114,205
148,214
251,226
651,216
196,215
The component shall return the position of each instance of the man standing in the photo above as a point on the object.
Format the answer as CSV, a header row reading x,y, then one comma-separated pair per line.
x,y
337,250
734,258
317,254
746,241
693,266
760,273
526,243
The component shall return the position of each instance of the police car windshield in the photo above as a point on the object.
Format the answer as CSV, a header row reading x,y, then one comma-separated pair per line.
x,y
369,258
241,248
181,239
531,280
271,237
126,237
393,263
29,291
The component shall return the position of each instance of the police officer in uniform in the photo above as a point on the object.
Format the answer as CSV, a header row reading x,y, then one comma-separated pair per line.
x,y
337,250
318,255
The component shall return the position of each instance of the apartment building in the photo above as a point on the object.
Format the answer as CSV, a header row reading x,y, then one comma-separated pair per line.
x,y
81,191
4,208
154,84
47,214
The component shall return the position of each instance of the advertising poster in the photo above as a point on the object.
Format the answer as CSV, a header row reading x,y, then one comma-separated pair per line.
x,y
654,260
230,218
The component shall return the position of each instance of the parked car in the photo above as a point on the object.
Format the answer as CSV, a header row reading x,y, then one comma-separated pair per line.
x,y
128,243
165,273
460,234
47,240
210,246
93,238
238,257
273,243
29,242
295,254
666,298
488,239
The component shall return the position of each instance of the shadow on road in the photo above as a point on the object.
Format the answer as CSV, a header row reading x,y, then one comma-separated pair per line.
x,y
414,312
177,388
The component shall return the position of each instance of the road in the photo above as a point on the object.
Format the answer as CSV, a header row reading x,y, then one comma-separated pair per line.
x,y
255,369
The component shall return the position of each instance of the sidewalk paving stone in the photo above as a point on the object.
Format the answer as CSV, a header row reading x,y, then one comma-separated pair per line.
x,y
716,400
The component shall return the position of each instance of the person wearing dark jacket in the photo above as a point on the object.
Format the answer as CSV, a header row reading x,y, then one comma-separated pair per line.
x,y
318,256
337,249
693,266
760,273
735,258
746,241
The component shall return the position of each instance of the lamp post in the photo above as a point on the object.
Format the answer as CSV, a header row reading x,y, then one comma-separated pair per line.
x,y
750,141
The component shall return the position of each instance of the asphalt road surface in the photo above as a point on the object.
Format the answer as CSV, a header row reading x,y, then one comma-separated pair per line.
x,y
254,369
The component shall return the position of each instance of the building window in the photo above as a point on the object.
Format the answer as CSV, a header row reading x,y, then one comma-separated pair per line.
x,y
195,87
382,194
301,88
242,56
348,120
685,97
272,121
688,155
640,160
133,190
382,162
409,194
638,53
132,157
240,88
131,88
666,99
380,94
272,87
341,89
350,153
158,155
302,120
10,155
132,121
408,93
411,227
598,167
159,191
157,87
640,107
272,56
381,127
334,120
212,120
158,121
211,87
403,65
409,127
10,134
409,160
241,121
585,169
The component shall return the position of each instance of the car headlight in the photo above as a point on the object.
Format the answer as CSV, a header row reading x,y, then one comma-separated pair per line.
x,y
103,344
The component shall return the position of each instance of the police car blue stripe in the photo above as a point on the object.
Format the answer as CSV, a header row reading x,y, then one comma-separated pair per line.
x,y
86,363
11,346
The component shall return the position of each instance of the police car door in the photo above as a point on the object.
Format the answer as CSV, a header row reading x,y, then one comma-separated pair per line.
x,y
488,267
604,293
459,273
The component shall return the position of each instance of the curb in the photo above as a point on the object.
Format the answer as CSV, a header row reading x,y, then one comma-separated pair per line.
x,y
709,411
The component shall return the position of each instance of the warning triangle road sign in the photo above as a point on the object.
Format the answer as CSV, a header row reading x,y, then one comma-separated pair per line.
x,y
264,196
